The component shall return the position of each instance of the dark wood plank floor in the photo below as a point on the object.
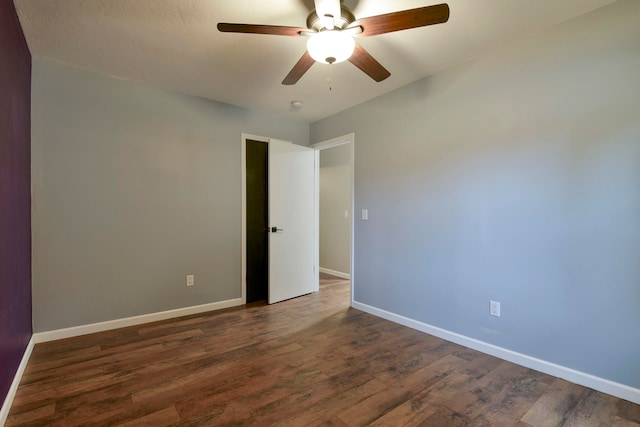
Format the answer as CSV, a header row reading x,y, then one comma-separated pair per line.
x,y
305,362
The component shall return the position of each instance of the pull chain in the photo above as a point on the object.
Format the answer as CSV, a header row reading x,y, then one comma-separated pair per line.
x,y
328,79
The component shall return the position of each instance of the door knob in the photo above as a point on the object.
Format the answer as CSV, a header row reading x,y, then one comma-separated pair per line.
x,y
276,229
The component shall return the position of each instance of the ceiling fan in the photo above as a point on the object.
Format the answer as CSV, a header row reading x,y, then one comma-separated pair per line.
x,y
331,29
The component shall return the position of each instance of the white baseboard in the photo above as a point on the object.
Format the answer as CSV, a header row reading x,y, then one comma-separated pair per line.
x,y
335,273
8,400
132,321
600,384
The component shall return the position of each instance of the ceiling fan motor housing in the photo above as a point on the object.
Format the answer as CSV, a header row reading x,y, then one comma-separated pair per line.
x,y
341,22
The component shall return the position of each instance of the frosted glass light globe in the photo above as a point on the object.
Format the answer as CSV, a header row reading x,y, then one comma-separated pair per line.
x,y
331,46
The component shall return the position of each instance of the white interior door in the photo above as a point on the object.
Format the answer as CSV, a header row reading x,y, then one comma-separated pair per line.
x,y
291,220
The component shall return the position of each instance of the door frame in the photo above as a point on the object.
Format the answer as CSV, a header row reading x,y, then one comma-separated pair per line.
x,y
349,138
334,142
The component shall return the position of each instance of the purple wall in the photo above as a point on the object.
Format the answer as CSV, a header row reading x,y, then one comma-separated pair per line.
x,y
15,195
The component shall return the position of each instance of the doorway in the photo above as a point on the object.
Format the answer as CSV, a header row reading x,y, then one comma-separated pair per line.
x,y
278,227
335,201
335,211
256,221
313,244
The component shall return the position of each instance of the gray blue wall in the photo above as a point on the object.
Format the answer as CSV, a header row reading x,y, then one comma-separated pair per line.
x,y
134,188
15,196
513,177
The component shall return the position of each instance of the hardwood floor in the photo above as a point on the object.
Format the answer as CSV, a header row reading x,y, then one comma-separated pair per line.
x,y
309,361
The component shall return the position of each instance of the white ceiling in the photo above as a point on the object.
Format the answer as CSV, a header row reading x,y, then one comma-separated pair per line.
x,y
174,45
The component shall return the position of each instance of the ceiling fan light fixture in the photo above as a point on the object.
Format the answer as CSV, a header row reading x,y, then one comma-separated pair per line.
x,y
331,46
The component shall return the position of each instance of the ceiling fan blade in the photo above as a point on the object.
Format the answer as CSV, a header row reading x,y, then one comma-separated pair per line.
x,y
260,29
299,69
403,20
327,11
368,64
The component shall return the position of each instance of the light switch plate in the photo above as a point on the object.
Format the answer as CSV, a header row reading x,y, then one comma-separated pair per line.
x,y
494,308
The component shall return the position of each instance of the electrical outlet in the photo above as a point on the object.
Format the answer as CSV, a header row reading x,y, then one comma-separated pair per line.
x,y
190,281
494,308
